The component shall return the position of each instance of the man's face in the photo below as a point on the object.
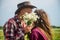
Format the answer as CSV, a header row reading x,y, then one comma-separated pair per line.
x,y
24,10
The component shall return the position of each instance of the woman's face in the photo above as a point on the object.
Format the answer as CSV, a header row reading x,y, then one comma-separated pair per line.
x,y
28,29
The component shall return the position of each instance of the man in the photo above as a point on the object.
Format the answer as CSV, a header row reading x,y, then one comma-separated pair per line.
x,y
14,27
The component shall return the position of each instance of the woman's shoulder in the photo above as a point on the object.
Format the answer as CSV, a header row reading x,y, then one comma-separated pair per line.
x,y
37,34
39,31
35,30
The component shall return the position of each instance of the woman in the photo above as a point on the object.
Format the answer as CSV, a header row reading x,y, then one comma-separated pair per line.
x,y
42,29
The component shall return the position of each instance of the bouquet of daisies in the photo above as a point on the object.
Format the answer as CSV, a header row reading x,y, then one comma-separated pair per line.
x,y
29,18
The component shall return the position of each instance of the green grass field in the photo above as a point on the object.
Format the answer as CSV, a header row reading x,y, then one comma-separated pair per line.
x,y
1,35
55,31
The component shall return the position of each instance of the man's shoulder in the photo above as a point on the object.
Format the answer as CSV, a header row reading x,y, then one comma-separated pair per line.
x,y
11,20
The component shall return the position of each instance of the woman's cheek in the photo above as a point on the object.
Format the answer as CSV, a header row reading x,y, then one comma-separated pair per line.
x,y
29,28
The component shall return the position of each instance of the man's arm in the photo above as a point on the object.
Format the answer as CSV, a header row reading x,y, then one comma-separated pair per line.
x,y
9,31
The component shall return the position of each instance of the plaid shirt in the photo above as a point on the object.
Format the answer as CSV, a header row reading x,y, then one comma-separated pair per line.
x,y
13,29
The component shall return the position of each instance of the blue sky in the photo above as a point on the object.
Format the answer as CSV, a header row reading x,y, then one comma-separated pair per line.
x,y
52,7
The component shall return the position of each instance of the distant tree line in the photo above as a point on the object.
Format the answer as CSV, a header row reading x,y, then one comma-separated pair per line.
x,y
1,27
56,26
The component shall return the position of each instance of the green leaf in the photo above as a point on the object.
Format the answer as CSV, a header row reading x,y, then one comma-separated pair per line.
x,y
26,37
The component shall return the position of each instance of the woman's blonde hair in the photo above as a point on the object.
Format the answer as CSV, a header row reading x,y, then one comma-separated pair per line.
x,y
43,22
